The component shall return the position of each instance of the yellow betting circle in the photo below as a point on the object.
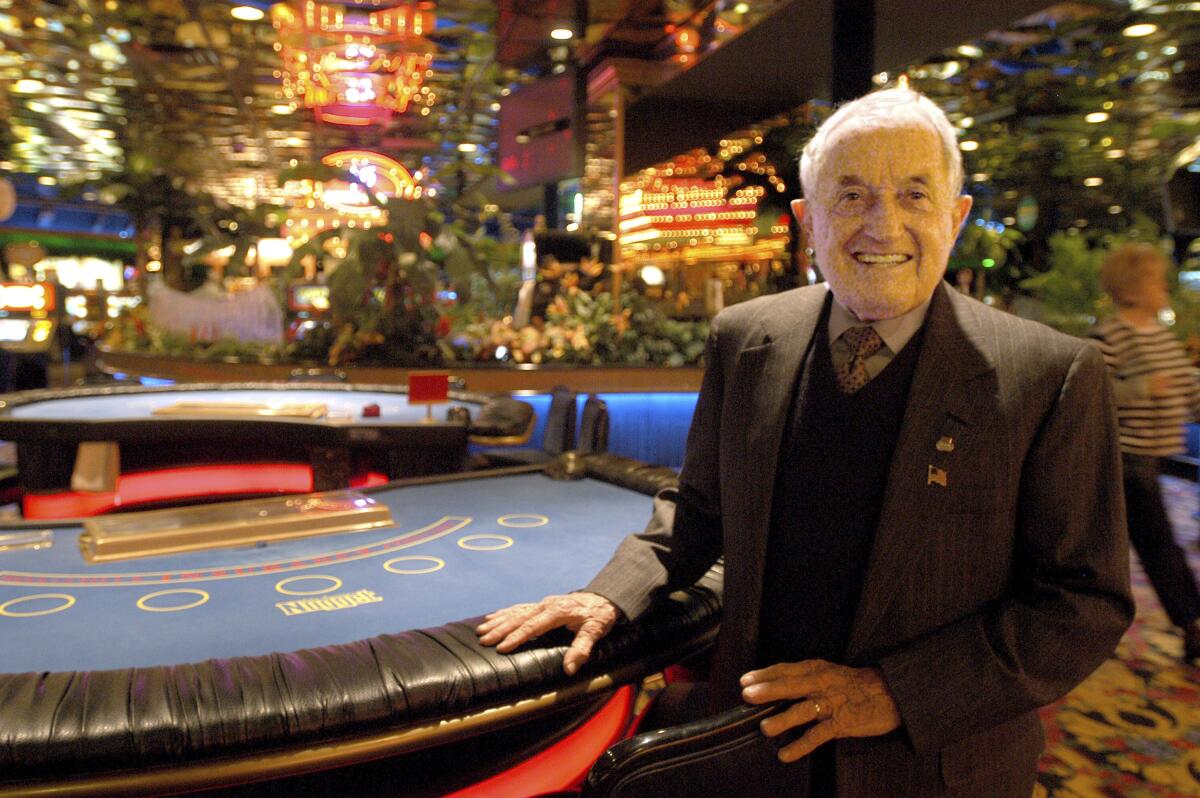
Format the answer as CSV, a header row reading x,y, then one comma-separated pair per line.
x,y
468,541
69,601
522,520
336,583
438,564
203,594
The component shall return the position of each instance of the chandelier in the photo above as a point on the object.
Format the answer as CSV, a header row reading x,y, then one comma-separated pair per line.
x,y
354,63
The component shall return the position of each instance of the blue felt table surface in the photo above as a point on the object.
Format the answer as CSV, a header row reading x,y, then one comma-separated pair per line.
x,y
394,408
578,526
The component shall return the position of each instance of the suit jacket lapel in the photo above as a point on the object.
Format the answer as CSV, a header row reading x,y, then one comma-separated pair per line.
x,y
940,405
764,380
760,395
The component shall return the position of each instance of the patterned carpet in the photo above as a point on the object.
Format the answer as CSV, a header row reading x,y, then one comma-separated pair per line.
x,y
1132,730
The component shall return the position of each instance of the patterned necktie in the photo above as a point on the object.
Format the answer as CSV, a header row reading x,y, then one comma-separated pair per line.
x,y
863,342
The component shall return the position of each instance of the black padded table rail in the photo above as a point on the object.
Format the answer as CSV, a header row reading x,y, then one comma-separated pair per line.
x,y
58,724
498,416
630,473
367,429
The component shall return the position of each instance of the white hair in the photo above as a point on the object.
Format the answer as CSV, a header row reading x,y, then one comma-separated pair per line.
x,y
888,108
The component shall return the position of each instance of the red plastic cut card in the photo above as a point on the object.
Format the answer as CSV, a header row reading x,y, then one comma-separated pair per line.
x,y
428,387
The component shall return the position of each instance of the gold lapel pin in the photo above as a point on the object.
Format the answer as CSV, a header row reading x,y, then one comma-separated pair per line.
x,y
945,444
936,476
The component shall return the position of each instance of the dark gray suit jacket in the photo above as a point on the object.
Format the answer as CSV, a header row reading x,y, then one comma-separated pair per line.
x,y
985,597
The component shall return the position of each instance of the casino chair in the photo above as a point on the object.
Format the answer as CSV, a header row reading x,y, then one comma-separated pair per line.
x,y
559,436
593,426
723,754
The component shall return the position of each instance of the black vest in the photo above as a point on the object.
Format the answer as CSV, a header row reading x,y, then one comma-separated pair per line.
x,y
828,494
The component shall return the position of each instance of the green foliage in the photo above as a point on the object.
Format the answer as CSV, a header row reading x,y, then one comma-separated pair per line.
x,y
1186,305
982,247
384,286
489,288
133,331
224,225
582,329
1070,289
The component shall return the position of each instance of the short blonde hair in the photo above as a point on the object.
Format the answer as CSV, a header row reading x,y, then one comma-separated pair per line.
x,y
887,108
1128,265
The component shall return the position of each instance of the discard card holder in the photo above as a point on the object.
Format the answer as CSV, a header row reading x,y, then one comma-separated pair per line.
x,y
97,467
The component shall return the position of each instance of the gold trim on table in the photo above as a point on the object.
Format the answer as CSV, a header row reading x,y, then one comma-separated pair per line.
x,y
217,526
244,409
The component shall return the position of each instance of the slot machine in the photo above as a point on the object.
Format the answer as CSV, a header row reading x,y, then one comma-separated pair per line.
x,y
308,308
28,324
84,311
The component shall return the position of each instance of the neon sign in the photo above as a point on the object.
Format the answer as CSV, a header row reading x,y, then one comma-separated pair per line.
x,y
382,176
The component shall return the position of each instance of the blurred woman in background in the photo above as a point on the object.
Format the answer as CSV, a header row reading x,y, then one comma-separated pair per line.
x,y
1157,393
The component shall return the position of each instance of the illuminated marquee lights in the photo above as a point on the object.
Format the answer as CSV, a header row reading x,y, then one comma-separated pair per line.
x,y
688,211
322,205
25,297
352,65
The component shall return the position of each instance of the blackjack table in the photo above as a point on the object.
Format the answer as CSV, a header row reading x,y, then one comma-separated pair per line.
x,y
137,660
83,451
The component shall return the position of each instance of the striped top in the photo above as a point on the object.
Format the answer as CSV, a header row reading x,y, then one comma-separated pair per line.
x,y
1150,426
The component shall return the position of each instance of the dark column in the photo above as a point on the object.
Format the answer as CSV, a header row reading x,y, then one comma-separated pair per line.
x,y
550,204
853,49
579,101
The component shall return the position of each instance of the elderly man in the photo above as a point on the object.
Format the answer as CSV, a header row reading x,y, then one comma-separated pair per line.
x,y
918,498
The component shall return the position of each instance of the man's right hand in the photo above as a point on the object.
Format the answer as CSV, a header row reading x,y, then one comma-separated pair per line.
x,y
588,615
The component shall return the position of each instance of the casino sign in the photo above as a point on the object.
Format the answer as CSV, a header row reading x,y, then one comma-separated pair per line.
x,y
320,205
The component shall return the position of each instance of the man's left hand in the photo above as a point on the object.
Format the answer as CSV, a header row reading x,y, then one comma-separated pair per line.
x,y
837,700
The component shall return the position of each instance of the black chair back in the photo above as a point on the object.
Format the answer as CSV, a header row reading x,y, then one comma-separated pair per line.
x,y
560,422
593,428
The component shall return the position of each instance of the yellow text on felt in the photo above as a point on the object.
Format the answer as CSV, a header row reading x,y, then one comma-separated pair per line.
x,y
342,601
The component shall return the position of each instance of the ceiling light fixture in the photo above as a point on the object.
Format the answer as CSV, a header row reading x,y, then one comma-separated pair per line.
x,y
562,34
1092,182
1139,30
28,86
467,146
246,13
351,66
652,275
1096,117
968,145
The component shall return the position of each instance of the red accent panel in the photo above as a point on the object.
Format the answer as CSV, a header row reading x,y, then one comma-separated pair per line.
x,y
368,479
174,483
564,765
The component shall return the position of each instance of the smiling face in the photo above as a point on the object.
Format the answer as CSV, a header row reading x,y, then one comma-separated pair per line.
x,y
882,219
